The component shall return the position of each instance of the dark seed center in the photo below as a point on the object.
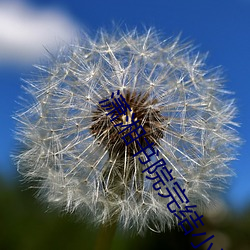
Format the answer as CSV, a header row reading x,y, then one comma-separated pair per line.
x,y
109,133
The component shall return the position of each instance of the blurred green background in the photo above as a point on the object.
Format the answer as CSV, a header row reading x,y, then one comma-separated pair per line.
x,y
27,225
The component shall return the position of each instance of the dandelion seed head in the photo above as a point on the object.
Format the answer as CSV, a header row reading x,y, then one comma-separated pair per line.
x,y
76,154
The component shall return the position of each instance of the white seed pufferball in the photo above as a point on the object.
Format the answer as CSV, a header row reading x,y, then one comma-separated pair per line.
x,y
77,157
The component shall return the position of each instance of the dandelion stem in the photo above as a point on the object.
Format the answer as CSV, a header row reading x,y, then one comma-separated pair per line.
x,y
105,236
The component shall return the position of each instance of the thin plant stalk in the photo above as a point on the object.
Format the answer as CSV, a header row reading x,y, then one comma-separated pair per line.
x,y
105,236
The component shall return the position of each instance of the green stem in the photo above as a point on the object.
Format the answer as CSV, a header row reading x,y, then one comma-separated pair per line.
x,y
105,236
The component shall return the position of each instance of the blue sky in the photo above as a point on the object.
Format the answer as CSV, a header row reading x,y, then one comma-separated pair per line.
x,y
221,27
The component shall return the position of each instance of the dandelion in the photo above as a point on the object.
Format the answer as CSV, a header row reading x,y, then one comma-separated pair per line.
x,y
76,154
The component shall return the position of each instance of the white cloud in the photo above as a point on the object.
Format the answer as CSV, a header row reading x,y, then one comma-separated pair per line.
x,y
25,31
